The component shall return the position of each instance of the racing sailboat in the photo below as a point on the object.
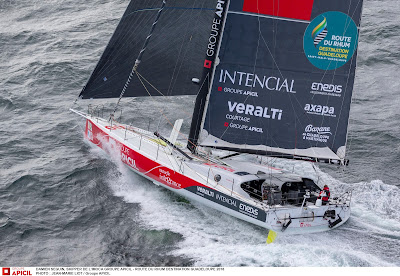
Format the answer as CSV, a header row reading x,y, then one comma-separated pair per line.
x,y
272,77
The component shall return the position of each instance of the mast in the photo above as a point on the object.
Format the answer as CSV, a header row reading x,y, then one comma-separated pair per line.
x,y
214,44
182,28
281,89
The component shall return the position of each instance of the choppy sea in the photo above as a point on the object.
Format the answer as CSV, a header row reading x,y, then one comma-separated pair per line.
x,y
63,203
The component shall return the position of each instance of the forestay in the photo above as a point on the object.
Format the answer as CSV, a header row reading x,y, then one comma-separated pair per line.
x,y
173,57
284,80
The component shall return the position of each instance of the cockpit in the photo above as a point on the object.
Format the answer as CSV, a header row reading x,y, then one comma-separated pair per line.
x,y
281,191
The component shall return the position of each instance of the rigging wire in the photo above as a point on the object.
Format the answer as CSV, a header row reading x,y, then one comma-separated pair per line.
x,y
179,60
139,58
197,156
134,71
161,112
158,91
280,72
351,137
127,37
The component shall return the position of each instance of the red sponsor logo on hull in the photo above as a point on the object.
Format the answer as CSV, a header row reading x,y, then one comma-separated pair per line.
x,y
295,9
141,163
6,271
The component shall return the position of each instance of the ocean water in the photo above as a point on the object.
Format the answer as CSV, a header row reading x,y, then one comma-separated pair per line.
x,y
63,203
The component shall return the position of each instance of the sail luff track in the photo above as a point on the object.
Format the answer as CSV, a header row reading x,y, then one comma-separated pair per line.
x,y
284,80
214,45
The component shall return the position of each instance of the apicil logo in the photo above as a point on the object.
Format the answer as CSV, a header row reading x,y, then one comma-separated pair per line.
x,y
6,271
18,271
207,63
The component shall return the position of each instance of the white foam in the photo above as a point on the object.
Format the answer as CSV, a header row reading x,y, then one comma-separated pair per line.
x,y
212,238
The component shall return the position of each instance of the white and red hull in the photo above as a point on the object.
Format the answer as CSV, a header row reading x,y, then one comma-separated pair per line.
x,y
141,152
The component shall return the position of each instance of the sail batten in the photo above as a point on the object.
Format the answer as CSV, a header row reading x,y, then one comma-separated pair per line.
x,y
285,78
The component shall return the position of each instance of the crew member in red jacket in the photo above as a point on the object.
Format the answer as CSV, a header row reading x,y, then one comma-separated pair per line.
x,y
325,194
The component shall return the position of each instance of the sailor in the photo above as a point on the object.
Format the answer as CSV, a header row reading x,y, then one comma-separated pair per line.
x,y
325,194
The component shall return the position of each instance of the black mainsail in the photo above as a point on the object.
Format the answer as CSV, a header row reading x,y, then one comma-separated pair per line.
x,y
277,77
284,81
172,59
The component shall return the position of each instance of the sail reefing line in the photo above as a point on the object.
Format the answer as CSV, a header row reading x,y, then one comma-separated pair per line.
x,y
139,58
258,16
247,57
281,61
294,155
314,104
260,35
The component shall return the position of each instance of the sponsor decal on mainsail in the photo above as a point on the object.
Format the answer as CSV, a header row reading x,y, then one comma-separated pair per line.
x,y
319,130
264,95
257,111
215,34
322,110
317,134
253,80
326,89
320,32
333,49
214,41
